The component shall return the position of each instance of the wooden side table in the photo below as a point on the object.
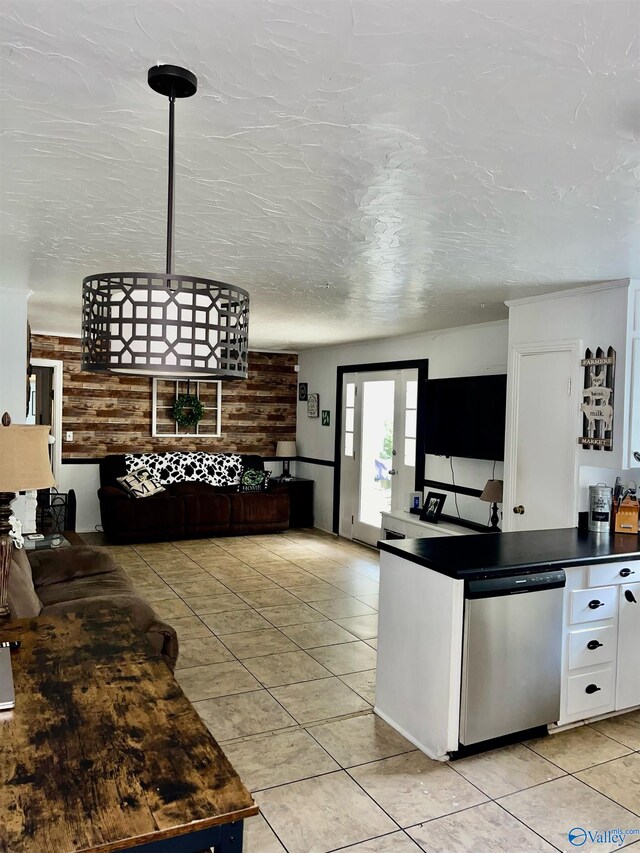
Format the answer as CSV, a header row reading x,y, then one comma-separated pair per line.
x,y
103,752
301,501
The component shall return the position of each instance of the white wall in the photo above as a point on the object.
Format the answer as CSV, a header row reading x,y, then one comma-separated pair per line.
x,y
13,378
85,481
464,351
13,353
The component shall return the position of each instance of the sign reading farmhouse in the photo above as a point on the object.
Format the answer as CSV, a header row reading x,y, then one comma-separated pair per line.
x,y
597,395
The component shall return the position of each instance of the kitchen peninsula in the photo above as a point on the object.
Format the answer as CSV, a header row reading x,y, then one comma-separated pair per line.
x,y
485,635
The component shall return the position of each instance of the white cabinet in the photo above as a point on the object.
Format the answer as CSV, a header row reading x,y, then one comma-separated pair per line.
x,y
608,573
591,693
628,679
592,646
420,654
593,605
401,524
601,653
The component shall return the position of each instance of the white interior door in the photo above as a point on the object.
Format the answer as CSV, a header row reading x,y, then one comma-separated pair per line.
x,y
542,437
378,449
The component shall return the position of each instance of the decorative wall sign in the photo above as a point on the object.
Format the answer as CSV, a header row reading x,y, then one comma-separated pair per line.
x,y
326,417
313,406
597,395
303,392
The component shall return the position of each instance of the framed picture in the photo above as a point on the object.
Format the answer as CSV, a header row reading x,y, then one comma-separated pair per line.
x,y
432,507
313,406
303,392
326,417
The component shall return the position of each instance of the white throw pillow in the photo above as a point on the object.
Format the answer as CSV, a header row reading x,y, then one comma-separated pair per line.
x,y
140,484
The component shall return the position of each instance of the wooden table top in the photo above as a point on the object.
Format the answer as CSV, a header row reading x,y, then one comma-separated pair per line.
x,y
103,751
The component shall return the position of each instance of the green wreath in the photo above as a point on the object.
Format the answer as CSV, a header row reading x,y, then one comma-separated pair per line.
x,y
187,410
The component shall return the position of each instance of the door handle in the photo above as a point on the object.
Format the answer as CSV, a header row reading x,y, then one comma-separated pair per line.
x,y
630,596
392,472
593,644
624,573
594,604
518,510
592,688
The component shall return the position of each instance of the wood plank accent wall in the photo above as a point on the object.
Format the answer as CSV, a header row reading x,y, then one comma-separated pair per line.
x,y
112,414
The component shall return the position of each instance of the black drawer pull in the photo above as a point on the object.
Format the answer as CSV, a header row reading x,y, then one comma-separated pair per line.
x,y
593,644
624,573
592,688
594,604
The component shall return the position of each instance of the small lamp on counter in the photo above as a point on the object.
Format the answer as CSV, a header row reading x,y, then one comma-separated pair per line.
x,y
286,450
492,493
24,465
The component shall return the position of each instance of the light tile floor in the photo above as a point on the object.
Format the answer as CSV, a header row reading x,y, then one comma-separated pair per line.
x,y
278,638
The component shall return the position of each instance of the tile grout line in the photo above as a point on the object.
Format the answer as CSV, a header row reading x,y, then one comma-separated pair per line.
x,y
504,809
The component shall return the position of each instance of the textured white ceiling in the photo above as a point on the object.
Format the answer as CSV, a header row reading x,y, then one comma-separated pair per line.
x,y
363,168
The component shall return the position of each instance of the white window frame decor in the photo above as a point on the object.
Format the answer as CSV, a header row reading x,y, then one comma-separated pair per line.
x,y
179,386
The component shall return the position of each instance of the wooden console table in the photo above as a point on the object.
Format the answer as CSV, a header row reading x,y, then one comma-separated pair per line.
x,y
103,751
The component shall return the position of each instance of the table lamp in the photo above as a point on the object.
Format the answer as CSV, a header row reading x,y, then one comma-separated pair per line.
x,y
24,465
492,493
286,450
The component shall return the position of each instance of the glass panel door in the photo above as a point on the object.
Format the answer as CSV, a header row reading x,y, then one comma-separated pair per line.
x,y
378,449
376,457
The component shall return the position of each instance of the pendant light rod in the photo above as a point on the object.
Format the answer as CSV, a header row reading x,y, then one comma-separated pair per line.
x,y
172,103
172,82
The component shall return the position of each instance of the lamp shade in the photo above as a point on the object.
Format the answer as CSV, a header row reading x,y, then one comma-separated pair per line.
x,y
286,448
24,458
492,492
150,324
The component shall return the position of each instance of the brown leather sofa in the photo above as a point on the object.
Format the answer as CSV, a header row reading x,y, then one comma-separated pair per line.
x,y
52,582
188,510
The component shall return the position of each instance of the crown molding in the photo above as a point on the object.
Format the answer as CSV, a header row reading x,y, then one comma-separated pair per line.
x,y
574,291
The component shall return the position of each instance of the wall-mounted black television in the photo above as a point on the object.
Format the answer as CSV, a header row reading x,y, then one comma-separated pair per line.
x,y
466,416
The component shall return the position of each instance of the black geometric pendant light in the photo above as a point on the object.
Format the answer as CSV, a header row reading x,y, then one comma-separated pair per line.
x,y
164,324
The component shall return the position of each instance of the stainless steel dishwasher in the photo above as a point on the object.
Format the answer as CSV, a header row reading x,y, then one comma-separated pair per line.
x,y
511,656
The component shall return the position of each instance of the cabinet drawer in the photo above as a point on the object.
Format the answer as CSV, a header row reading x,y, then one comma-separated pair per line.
x,y
591,605
584,698
608,573
592,646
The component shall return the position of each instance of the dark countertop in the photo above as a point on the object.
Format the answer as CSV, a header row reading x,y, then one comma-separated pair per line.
x,y
481,555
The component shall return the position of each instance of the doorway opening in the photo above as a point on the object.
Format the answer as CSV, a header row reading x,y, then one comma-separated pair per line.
x,y
379,454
